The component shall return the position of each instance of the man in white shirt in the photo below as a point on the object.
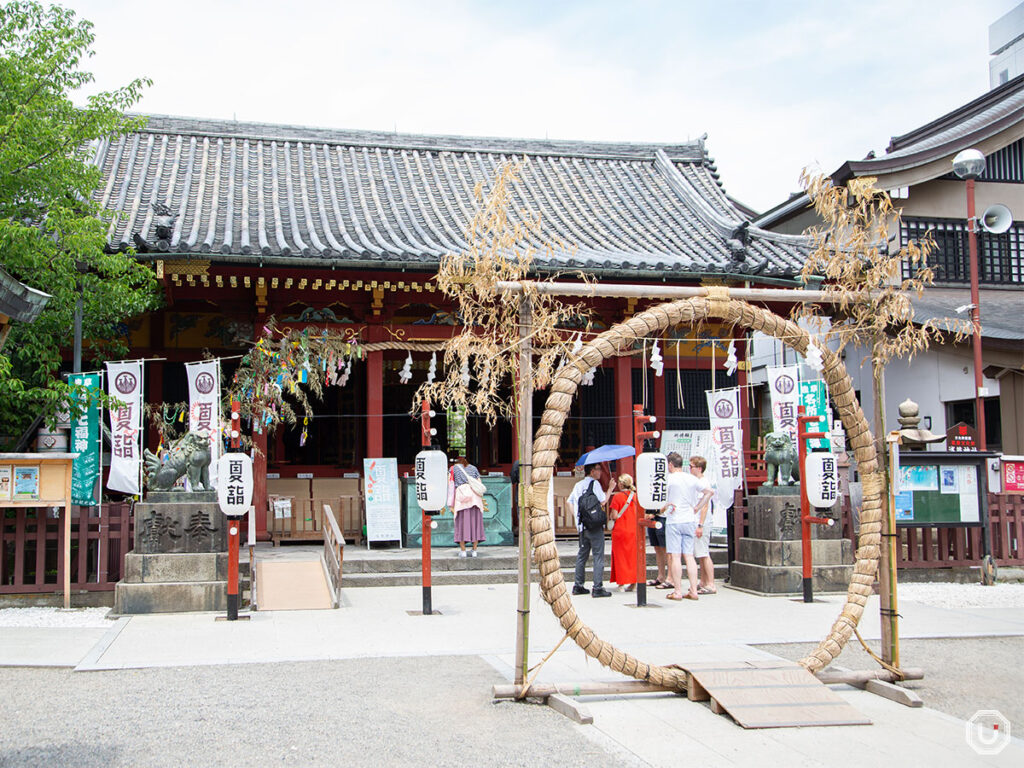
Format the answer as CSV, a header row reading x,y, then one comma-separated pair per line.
x,y
590,541
687,502
701,545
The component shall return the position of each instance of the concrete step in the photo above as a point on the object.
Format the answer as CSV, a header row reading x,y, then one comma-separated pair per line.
x,y
477,571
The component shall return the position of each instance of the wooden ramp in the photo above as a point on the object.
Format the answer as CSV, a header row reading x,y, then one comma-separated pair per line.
x,y
292,586
769,694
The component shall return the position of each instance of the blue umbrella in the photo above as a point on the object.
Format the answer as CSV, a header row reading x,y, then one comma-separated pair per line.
x,y
606,453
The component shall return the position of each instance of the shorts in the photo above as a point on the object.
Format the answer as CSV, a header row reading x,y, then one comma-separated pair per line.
x,y
656,536
679,538
702,545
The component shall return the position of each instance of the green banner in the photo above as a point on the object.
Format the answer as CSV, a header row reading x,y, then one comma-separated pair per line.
x,y
85,434
456,430
814,399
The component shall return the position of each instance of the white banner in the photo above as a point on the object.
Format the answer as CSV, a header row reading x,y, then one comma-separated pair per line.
x,y
784,385
204,407
727,439
124,383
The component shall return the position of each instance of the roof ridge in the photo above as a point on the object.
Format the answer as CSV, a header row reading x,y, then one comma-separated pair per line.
x,y
258,131
956,116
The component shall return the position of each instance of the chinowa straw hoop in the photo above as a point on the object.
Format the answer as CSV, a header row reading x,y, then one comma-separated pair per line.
x,y
545,451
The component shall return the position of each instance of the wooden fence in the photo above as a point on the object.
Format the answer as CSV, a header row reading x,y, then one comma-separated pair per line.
x,y
32,546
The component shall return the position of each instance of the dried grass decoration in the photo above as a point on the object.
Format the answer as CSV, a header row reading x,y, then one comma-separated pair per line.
x,y
545,450
481,363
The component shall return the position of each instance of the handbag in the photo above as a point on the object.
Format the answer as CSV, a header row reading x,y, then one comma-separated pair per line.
x,y
477,485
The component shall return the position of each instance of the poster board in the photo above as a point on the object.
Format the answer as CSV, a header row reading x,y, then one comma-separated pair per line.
x,y
1012,474
697,442
940,489
383,500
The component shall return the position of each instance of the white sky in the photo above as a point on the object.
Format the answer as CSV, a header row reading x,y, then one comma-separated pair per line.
x,y
777,85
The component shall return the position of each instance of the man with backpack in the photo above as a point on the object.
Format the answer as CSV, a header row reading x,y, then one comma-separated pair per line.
x,y
587,503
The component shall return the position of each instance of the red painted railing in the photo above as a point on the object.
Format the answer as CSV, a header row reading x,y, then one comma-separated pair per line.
x,y
32,547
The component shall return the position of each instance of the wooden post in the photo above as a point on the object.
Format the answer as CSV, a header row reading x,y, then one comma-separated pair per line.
x,y
887,563
525,395
67,534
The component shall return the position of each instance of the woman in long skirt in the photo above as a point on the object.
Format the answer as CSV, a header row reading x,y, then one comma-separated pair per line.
x,y
623,509
465,499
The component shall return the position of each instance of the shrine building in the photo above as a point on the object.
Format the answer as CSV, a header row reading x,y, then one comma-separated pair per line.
x,y
344,231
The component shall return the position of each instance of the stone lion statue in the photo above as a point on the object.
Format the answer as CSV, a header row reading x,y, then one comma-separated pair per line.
x,y
780,456
189,455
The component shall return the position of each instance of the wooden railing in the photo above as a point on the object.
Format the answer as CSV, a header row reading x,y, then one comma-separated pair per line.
x,y
334,552
948,547
31,542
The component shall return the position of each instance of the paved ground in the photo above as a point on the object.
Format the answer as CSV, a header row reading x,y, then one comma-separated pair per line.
x,y
374,683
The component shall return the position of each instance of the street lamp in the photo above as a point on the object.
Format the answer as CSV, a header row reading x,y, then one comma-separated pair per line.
x,y
969,165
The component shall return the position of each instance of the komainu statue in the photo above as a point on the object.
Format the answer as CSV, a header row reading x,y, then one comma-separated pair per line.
x,y
189,455
780,457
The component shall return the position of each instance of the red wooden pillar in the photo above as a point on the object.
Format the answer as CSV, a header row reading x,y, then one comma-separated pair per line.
x,y
624,407
259,484
374,404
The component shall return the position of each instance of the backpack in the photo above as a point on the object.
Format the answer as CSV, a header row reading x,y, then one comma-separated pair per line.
x,y
589,510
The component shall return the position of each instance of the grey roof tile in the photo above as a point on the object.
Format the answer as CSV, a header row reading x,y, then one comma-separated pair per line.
x,y
277,192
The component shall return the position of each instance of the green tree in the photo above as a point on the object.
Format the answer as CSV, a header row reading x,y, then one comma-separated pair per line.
x,y
52,232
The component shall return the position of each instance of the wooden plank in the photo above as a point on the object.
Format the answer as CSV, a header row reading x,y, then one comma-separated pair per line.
x,y
893,693
774,697
570,708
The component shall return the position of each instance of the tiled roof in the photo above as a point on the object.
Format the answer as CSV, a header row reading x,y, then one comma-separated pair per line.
x,y
1000,111
281,194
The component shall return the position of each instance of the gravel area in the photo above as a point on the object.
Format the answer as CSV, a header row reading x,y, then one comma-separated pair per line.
x,y
362,712
961,675
53,617
942,595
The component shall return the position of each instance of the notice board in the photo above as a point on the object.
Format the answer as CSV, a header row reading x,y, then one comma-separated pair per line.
x,y
383,500
940,488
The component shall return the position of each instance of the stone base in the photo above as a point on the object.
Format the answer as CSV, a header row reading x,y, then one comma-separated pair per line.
x,y
188,523
776,567
173,583
777,517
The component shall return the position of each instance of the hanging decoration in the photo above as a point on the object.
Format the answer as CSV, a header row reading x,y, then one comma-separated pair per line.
x,y
657,362
456,429
464,376
731,362
432,370
276,375
405,375
813,357
588,377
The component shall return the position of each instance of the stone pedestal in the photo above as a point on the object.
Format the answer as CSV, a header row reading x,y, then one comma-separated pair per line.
x,y
180,562
770,559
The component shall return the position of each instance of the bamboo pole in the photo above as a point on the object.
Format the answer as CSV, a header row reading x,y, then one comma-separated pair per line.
x,y
525,395
542,690
794,295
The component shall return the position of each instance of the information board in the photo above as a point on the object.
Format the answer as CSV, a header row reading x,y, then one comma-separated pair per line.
x,y
383,500
939,492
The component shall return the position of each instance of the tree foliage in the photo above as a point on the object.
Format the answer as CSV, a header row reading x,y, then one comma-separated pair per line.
x,y
872,298
52,233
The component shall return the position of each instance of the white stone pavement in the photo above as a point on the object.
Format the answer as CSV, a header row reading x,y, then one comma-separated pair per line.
x,y
480,620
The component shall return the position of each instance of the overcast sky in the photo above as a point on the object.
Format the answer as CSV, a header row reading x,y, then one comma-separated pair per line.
x,y
777,85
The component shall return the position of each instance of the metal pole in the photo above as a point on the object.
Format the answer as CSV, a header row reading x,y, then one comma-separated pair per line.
x,y
972,247
428,520
805,525
233,525
76,356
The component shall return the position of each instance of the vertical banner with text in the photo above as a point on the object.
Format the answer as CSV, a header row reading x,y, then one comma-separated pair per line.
x,y
85,441
204,407
783,384
124,383
727,439
814,399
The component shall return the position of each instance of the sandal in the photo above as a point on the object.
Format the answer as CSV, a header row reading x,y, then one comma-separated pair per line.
x,y
653,583
689,596
706,591
674,597
664,585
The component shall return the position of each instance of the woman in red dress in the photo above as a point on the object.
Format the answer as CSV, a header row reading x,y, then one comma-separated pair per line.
x,y
623,509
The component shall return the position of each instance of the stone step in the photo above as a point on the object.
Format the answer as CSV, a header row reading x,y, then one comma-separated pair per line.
x,y
485,573
179,567
448,560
